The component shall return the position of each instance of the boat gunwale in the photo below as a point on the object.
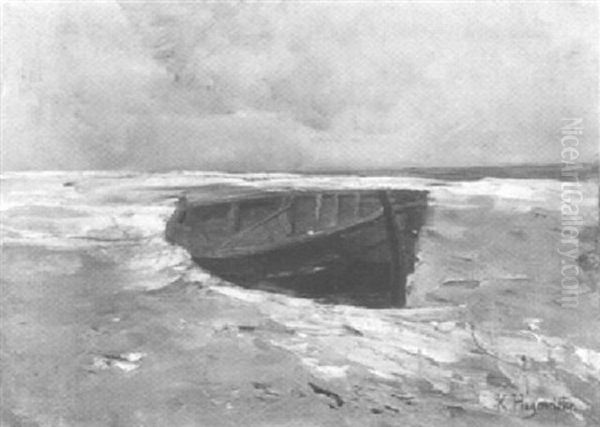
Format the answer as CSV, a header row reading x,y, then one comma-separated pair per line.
x,y
259,193
224,253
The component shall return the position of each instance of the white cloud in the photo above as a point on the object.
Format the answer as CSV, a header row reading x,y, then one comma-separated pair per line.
x,y
324,84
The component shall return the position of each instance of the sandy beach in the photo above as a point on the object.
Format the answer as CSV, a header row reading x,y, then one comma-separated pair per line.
x,y
105,324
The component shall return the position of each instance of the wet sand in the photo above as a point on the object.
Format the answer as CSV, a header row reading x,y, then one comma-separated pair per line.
x,y
197,358
202,360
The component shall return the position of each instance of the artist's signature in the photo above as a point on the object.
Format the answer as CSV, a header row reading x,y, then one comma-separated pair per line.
x,y
527,405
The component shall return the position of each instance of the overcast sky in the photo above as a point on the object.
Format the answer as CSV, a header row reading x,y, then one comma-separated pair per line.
x,y
295,85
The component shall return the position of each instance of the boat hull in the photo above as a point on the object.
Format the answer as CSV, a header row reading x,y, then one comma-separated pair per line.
x,y
371,255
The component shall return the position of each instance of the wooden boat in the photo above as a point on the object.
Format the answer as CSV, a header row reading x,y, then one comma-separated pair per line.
x,y
313,237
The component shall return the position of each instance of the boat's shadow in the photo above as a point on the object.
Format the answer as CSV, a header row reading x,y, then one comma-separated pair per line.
x,y
362,284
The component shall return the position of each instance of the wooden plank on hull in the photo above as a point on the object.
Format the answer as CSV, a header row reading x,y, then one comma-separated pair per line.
x,y
233,217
